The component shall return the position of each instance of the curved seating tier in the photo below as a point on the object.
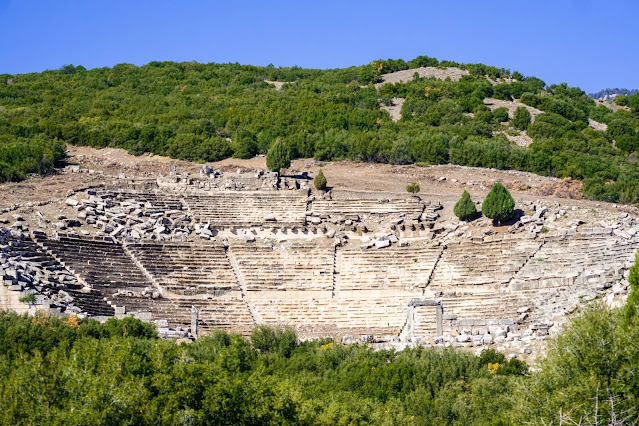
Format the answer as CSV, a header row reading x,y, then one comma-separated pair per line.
x,y
484,306
393,268
229,314
55,278
564,262
154,202
287,267
483,263
243,208
187,268
337,317
103,265
411,207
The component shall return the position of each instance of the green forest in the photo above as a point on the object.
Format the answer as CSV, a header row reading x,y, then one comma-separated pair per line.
x,y
79,371
207,112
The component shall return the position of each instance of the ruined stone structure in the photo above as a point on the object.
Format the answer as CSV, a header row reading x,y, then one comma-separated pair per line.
x,y
230,252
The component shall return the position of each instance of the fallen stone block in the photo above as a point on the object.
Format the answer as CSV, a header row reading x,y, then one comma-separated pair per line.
x,y
382,243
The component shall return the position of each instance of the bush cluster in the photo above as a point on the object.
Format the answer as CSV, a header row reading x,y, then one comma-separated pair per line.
x,y
208,112
81,371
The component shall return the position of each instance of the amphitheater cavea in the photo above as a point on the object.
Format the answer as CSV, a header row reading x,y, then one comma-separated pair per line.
x,y
193,248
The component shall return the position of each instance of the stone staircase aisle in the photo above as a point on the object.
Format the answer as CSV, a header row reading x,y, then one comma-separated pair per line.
x,y
240,281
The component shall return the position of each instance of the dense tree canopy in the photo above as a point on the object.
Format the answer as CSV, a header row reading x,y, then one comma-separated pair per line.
x,y
207,112
82,372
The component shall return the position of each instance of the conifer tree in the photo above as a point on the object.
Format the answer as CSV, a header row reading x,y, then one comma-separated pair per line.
x,y
278,157
465,208
498,205
320,181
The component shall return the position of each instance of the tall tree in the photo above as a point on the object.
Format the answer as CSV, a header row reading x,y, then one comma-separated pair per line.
x,y
278,157
498,205
320,181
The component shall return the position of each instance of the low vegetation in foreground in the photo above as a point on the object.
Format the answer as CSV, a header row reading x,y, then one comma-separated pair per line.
x,y
83,372
208,112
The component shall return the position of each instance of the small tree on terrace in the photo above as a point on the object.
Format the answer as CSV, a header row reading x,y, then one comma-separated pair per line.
x,y
465,208
320,181
498,205
521,118
278,157
413,188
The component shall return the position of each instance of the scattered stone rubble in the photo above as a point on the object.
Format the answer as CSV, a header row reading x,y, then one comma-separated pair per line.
x,y
120,216
26,270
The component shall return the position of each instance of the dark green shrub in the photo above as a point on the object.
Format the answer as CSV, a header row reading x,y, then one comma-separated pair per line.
x,y
500,115
632,302
274,339
521,118
498,205
320,181
413,188
28,298
621,100
465,208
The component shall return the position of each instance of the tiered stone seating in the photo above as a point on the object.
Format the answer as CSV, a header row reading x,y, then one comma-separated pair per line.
x,y
391,269
244,208
103,265
187,268
55,278
485,306
424,321
91,301
337,317
562,262
225,313
488,263
285,268
154,202
411,207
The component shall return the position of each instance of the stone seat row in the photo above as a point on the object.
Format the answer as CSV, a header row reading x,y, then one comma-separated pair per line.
x,y
485,306
91,302
159,202
229,314
297,267
186,268
100,264
399,267
382,313
469,263
411,207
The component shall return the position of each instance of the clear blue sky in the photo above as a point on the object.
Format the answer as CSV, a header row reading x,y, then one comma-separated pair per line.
x,y
591,44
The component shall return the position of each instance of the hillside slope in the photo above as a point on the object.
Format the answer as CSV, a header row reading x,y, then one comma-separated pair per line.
x,y
207,112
